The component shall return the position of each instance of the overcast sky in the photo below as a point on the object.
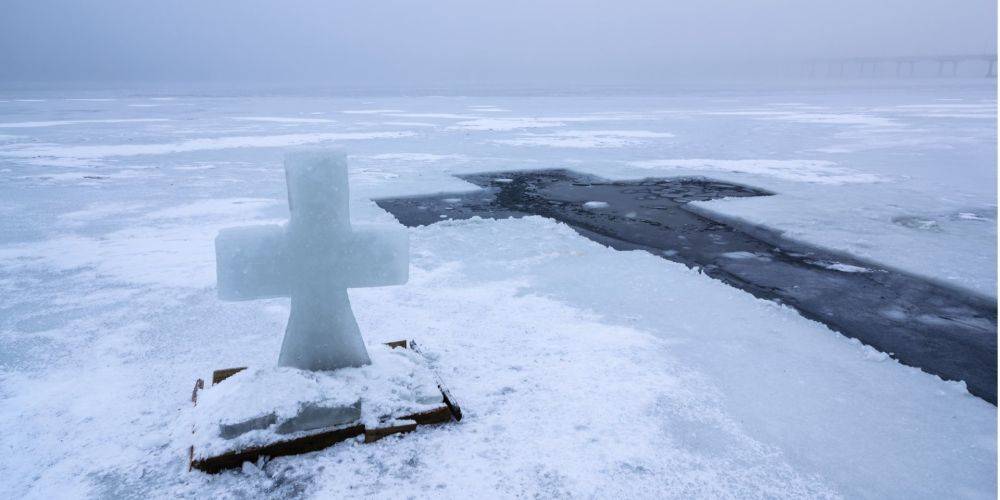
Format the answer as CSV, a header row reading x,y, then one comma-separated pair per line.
x,y
471,41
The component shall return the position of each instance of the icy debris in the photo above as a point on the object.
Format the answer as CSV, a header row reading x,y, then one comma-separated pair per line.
x,y
847,268
970,216
840,266
894,314
596,204
743,255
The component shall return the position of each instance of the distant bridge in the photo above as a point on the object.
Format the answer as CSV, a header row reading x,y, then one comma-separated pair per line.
x,y
947,65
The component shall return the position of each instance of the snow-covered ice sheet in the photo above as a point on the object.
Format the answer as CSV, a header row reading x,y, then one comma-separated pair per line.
x,y
581,370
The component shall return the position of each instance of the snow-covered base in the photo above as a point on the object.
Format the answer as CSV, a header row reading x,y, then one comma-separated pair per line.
x,y
398,382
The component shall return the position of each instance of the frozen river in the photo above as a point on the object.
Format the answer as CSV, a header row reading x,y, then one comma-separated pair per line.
x,y
561,351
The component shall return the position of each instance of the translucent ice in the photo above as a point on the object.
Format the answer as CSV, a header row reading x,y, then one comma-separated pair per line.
x,y
313,259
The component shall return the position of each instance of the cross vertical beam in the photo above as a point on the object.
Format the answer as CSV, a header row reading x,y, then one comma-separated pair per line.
x,y
320,219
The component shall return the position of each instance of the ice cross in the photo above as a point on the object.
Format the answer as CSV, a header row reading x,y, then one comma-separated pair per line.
x,y
313,259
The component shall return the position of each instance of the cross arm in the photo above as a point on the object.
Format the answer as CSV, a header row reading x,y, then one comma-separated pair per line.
x,y
377,255
252,262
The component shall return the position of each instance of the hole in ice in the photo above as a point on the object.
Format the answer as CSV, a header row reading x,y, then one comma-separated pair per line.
x,y
846,294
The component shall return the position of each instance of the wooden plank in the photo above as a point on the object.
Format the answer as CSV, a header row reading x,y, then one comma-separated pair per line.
x,y
199,384
438,415
376,433
223,374
456,410
304,444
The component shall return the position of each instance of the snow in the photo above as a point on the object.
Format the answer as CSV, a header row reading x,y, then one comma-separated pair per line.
x,y
409,124
582,371
256,141
55,123
370,111
819,118
83,178
816,171
204,208
505,124
586,138
283,119
488,109
415,157
439,116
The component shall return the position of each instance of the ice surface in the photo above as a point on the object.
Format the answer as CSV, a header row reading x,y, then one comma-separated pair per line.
x,y
586,138
257,141
55,123
561,351
283,119
313,260
821,172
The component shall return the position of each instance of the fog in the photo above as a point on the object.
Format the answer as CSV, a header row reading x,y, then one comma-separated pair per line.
x,y
441,42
